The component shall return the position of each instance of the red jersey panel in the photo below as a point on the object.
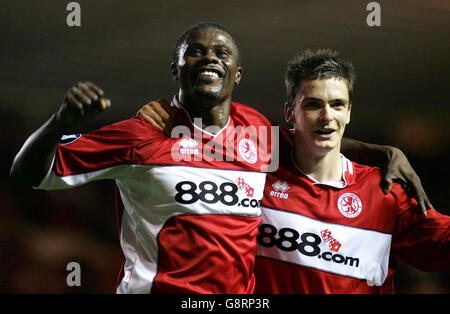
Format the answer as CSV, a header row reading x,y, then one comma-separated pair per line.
x,y
191,204
342,238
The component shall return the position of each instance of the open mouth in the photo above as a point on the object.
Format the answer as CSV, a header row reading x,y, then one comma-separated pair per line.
x,y
325,132
210,74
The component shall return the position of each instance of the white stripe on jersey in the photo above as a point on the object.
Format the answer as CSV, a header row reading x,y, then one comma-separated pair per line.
x,y
52,181
151,202
338,249
153,194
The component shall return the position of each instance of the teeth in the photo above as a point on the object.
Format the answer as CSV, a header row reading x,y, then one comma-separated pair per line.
x,y
209,73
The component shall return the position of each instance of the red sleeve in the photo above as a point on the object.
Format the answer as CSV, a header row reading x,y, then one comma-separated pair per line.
x,y
423,242
107,153
109,146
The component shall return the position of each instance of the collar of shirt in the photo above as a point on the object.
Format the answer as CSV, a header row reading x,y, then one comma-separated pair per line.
x,y
347,170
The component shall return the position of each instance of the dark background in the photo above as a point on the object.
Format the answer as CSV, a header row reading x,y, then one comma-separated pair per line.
x,y
401,98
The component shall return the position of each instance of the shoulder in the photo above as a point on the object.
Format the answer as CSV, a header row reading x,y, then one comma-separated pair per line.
x,y
373,175
135,129
247,115
370,178
364,172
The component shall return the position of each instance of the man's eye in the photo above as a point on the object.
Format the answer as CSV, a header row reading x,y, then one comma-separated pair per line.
x,y
338,105
195,51
222,53
312,104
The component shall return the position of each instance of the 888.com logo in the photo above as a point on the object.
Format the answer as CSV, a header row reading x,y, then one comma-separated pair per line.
x,y
209,192
306,244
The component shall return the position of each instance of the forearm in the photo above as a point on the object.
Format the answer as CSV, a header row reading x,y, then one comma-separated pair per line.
x,y
35,157
365,153
82,102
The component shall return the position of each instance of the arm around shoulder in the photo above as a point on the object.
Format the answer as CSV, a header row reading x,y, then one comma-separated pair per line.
x,y
394,166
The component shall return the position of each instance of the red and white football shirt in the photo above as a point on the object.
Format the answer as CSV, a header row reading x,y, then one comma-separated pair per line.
x,y
342,237
191,205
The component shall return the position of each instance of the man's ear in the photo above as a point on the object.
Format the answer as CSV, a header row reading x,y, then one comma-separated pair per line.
x,y
289,113
174,71
238,76
349,113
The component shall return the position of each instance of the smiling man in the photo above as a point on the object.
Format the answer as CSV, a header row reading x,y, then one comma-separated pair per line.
x,y
321,112
333,230
206,64
187,225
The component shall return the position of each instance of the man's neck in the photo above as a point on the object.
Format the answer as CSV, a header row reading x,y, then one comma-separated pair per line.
x,y
211,112
322,167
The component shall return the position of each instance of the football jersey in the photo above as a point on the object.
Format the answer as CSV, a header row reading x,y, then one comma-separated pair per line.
x,y
190,204
344,236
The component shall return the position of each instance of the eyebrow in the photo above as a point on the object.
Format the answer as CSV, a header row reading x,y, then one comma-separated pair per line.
x,y
321,100
194,44
223,46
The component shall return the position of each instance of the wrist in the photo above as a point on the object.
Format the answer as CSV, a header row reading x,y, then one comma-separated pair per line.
x,y
62,122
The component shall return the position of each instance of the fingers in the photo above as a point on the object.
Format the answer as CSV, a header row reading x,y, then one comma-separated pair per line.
x,y
87,98
417,191
399,169
428,205
388,179
386,185
413,187
71,99
423,208
163,102
94,88
105,103
420,197
88,90
160,108
152,122
171,110
81,102
151,116
160,114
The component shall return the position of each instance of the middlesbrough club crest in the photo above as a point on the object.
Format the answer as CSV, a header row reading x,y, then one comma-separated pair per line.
x,y
248,151
349,205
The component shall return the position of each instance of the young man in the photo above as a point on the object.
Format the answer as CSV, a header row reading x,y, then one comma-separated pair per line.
x,y
326,225
189,222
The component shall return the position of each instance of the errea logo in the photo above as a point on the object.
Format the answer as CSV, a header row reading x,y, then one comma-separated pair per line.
x,y
188,146
349,205
280,189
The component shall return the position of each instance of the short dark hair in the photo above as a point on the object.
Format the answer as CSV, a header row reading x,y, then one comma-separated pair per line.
x,y
183,37
319,64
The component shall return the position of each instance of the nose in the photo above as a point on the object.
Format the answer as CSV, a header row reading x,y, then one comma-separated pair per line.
x,y
211,56
326,113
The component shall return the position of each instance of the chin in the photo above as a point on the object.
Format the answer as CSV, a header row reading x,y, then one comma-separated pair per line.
x,y
212,93
325,147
